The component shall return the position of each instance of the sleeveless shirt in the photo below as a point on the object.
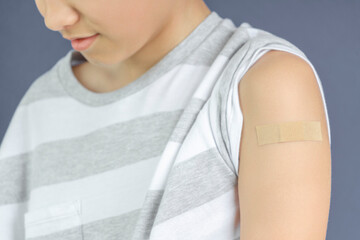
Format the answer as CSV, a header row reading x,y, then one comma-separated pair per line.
x,y
156,159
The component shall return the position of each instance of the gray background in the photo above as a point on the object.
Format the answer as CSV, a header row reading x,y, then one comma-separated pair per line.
x,y
328,32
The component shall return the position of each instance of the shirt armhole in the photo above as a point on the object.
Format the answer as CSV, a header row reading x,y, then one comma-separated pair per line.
x,y
234,115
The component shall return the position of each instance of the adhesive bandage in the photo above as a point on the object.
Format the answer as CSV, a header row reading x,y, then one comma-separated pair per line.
x,y
288,132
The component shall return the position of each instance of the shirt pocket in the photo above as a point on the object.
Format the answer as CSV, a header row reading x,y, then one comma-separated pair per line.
x,y
62,220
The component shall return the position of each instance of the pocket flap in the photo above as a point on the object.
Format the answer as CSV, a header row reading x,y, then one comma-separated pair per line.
x,y
54,218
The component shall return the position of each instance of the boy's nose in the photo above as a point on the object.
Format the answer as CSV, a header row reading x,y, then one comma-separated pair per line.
x,y
59,16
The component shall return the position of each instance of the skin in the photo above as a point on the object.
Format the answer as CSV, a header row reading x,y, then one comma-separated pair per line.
x,y
284,189
134,35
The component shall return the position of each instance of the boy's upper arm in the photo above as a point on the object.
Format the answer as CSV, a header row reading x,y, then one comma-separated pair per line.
x,y
284,188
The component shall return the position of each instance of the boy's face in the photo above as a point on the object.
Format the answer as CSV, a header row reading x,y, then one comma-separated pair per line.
x,y
124,26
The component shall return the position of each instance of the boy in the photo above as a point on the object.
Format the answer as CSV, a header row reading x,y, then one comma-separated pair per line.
x,y
138,132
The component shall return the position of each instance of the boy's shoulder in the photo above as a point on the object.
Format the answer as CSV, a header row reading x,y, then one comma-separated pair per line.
x,y
47,85
259,38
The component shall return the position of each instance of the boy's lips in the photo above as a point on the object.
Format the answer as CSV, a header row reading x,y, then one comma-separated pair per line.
x,y
81,44
73,38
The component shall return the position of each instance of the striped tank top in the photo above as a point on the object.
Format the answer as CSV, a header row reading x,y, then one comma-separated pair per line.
x,y
156,159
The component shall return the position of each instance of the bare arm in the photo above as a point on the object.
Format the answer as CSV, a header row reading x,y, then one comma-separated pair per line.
x,y
284,188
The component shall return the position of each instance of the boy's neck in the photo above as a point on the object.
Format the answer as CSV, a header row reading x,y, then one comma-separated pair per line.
x,y
100,79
